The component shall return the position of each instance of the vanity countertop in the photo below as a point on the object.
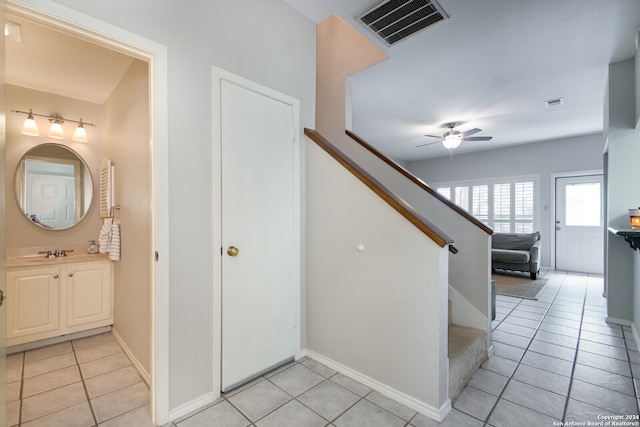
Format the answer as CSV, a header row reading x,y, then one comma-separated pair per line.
x,y
40,259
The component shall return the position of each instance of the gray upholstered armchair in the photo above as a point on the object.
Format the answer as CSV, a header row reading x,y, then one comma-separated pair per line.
x,y
516,252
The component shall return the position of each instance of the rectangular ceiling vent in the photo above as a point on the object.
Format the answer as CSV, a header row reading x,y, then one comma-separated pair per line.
x,y
552,103
395,20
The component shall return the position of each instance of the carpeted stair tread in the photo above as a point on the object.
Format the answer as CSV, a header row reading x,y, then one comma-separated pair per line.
x,y
467,353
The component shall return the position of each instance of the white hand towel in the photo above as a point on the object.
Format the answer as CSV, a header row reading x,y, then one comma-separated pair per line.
x,y
104,238
114,247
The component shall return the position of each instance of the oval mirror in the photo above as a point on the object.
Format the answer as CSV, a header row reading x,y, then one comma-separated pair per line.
x,y
53,186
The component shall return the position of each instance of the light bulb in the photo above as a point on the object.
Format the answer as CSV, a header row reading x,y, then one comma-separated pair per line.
x,y
55,131
30,127
80,134
452,141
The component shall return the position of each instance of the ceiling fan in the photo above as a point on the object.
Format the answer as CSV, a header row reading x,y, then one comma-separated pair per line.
x,y
453,138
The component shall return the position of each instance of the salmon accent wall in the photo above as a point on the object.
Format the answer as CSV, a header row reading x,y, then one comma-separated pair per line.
x,y
341,52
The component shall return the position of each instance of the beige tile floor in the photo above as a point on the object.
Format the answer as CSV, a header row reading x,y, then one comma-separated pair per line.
x,y
556,359
81,383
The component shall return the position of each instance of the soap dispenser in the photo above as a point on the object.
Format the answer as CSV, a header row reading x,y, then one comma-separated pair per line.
x,y
92,249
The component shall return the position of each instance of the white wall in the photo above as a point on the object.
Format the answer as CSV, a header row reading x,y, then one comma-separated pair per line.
x,y
542,159
622,187
637,78
262,40
380,312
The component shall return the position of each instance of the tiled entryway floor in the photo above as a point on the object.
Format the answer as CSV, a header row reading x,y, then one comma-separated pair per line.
x,y
79,383
556,359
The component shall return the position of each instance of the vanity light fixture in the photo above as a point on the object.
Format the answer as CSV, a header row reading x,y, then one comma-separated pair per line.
x,y
55,130
30,127
80,134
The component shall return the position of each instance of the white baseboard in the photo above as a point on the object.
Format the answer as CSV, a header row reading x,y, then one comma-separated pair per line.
x,y
635,336
194,405
615,320
490,351
134,361
437,414
56,340
301,354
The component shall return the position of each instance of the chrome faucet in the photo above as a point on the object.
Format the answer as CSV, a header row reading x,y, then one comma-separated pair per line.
x,y
55,253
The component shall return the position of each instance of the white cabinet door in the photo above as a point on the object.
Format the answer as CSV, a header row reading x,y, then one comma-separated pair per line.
x,y
33,301
45,302
88,293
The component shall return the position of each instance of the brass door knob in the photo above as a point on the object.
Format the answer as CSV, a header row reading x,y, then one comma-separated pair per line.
x,y
233,251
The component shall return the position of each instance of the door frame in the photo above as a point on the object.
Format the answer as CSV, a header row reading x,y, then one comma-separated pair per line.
x,y
219,75
155,55
552,215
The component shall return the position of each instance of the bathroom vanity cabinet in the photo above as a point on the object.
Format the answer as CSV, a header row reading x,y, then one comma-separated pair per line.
x,y
45,301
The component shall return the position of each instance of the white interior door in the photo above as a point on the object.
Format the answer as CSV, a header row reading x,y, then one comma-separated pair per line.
x,y
52,199
258,283
579,224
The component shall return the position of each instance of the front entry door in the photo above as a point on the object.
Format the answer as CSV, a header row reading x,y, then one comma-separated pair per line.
x,y
258,259
579,224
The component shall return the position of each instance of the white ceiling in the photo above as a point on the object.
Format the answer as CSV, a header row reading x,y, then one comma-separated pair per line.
x,y
492,65
50,61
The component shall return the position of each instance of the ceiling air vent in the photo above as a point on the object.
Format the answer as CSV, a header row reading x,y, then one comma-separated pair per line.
x,y
552,103
395,20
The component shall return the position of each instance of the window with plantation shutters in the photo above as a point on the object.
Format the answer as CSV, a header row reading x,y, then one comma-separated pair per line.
x,y
480,202
523,207
445,191
502,207
506,205
462,197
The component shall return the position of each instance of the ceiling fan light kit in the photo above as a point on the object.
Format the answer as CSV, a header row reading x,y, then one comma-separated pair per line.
x,y
452,138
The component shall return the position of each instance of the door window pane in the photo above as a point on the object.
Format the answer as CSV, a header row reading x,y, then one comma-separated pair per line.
x,y
583,204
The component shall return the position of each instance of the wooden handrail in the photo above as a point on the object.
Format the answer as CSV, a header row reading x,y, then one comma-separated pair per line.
x,y
420,183
401,206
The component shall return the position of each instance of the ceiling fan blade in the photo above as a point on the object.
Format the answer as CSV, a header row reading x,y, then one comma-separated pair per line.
x,y
477,138
434,136
429,143
471,132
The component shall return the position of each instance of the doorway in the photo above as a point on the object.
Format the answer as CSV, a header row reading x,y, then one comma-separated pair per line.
x,y
257,198
154,56
579,223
